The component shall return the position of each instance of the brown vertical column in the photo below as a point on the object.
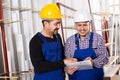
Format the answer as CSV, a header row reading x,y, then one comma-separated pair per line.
x,y
61,27
105,33
3,39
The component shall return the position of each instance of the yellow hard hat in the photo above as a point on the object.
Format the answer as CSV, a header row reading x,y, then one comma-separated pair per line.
x,y
50,11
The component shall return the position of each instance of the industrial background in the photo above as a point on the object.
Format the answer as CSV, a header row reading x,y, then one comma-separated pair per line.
x,y
19,21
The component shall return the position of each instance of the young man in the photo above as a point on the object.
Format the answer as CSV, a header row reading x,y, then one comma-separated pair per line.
x,y
86,45
46,49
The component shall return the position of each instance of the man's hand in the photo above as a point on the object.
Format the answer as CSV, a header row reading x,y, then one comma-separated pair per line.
x,y
89,58
71,70
69,60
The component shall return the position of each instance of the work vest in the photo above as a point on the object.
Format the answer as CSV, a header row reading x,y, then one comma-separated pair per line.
x,y
52,52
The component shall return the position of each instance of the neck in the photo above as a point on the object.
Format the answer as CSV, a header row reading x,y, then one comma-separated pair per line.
x,y
46,34
82,38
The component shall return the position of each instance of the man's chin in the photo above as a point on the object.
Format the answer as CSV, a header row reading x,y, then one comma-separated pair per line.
x,y
56,32
82,35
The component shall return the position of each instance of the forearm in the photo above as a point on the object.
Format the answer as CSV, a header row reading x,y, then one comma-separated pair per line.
x,y
44,66
100,61
102,58
101,53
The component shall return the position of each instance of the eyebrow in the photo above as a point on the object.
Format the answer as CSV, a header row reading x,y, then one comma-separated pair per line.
x,y
58,22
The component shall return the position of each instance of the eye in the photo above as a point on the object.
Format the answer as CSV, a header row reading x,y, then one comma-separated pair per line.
x,y
58,23
79,25
84,24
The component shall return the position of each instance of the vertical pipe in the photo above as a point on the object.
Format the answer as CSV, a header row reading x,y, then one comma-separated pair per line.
x,y
3,40
105,33
1,56
115,36
93,26
65,23
61,27
118,33
112,31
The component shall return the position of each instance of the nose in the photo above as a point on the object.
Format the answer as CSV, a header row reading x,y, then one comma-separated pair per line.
x,y
82,27
58,25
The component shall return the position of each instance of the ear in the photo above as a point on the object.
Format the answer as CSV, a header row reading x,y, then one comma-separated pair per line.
x,y
75,26
90,25
45,23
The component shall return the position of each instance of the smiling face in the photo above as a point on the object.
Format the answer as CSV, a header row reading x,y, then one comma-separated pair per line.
x,y
83,28
53,26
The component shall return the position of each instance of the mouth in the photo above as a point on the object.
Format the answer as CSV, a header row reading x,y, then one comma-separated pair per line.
x,y
82,31
57,29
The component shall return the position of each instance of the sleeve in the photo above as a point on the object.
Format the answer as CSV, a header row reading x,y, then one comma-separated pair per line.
x,y
70,47
37,59
67,49
102,54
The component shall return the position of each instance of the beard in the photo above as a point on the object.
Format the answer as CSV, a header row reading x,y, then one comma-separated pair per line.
x,y
56,31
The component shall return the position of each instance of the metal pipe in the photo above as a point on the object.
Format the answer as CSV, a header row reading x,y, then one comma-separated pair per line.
x,y
93,26
3,40
65,6
61,28
58,3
